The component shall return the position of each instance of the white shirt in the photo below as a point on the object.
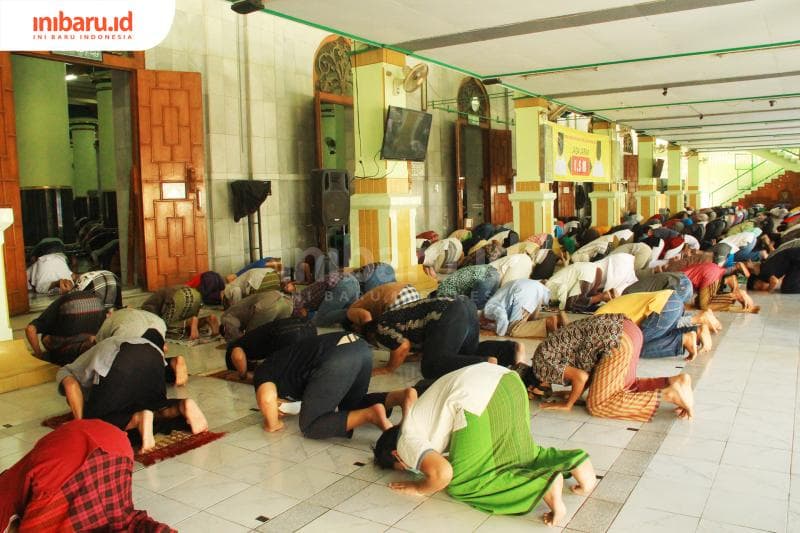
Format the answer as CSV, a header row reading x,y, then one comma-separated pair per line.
x,y
46,270
566,282
739,240
440,411
513,267
691,242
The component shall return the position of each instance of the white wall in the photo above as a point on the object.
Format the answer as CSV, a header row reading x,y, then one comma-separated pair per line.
x,y
258,98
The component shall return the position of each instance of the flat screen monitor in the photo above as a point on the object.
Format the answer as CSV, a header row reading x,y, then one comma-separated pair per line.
x,y
406,134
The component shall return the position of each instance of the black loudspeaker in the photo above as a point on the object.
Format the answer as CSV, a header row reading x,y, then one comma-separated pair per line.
x,y
330,199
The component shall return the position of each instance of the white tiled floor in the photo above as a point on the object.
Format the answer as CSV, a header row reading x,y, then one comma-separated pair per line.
x,y
734,468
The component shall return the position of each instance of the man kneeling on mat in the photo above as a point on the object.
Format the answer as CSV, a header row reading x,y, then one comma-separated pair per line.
x,y
121,381
330,374
481,415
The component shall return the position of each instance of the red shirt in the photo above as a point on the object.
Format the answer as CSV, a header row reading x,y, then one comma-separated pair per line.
x,y
704,274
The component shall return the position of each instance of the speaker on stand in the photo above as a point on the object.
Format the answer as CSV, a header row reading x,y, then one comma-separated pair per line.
x,y
330,209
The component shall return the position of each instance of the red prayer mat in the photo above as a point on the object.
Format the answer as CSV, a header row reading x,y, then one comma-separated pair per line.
x,y
176,443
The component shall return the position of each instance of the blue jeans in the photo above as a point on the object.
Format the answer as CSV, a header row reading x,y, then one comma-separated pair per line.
x,y
485,288
685,291
660,332
334,307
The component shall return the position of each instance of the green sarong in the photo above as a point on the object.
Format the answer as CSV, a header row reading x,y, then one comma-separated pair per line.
x,y
271,282
184,304
497,467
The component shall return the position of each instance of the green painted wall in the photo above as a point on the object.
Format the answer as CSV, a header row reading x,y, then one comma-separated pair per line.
x,y
84,155
105,133
40,103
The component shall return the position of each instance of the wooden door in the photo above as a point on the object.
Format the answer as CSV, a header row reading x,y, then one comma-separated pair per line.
x,y
565,199
171,156
14,247
500,176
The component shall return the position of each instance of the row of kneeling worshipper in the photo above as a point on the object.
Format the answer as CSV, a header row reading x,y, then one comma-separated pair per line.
x,y
639,290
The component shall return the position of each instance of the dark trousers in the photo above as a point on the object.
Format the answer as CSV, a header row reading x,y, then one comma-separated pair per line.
x,y
545,269
135,382
337,386
453,342
261,342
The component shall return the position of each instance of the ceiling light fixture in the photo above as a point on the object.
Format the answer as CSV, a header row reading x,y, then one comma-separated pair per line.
x,y
71,77
772,103
664,92
701,116
245,7
492,81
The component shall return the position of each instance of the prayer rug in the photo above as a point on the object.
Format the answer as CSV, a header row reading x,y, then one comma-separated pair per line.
x,y
196,342
176,443
229,375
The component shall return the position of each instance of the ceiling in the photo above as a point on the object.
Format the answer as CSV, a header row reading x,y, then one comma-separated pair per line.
x,y
731,68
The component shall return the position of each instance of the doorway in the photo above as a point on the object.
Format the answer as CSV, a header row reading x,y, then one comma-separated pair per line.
x,y
74,150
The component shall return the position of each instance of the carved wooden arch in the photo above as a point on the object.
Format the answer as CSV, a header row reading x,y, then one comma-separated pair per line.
x,y
473,88
333,70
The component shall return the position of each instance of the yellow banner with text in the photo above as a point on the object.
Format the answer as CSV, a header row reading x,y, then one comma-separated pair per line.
x,y
580,156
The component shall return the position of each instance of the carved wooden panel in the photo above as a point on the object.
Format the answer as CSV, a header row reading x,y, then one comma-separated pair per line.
x,y
500,174
14,259
170,114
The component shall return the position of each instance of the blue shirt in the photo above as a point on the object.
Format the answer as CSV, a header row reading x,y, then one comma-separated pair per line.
x,y
509,302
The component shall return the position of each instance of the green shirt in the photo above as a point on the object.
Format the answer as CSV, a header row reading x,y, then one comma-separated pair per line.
x,y
463,280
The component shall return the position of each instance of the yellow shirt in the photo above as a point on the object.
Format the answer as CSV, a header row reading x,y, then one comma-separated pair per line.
x,y
637,306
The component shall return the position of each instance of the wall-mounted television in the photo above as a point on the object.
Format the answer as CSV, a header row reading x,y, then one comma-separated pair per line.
x,y
405,135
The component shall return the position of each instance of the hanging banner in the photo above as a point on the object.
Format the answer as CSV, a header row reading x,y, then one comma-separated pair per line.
x,y
580,156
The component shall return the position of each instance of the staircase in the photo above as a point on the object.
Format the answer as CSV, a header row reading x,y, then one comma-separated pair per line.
x,y
784,189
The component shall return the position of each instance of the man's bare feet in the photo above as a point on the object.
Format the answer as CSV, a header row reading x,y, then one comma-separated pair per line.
x,y
239,360
491,360
585,477
181,371
381,371
563,319
194,416
376,415
279,426
213,322
554,500
705,338
690,344
194,330
680,393
146,430
551,324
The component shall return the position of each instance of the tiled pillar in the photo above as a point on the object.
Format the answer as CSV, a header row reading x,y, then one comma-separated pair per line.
x,y
693,194
607,199
648,199
6,219
674,185
83,133
382,210
532,200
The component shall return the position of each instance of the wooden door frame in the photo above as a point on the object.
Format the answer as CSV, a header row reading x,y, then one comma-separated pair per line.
x,y
130,64
461,183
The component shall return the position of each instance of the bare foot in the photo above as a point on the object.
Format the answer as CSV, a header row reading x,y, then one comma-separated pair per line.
x,y
146,431
381,371
705,338
213,322
680,393
690,344
554,500
239,360
194,416
551,324
410,396
278,427
194,331
377,417
491,360
580,490
181,371
563,318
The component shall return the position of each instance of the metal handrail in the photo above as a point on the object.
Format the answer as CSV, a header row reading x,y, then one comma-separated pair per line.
x,y
753,186
736,179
